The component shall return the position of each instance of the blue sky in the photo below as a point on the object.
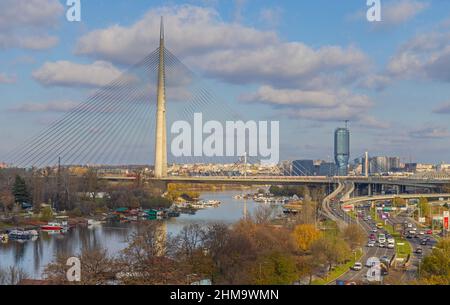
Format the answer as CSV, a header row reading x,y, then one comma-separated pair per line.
x,y
309,64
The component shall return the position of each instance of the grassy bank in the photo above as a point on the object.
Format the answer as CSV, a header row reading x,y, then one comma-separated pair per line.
x,y
338,271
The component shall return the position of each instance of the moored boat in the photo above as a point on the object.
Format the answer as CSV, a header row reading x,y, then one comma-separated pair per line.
x,y
20,235
52,227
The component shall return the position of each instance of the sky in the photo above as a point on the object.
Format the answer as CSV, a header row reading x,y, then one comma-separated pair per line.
x,y
308,64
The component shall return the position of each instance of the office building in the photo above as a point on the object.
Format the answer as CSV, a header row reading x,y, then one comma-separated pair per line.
x,y
342,150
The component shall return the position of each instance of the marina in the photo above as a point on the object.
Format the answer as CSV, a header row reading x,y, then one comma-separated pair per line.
x,y
33,254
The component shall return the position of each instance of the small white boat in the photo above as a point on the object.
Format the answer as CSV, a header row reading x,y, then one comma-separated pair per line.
x,y
20,235
93,222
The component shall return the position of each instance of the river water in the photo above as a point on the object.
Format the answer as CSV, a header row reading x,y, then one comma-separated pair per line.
x,y
33,256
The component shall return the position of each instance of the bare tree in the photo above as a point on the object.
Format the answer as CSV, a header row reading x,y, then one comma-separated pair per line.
x,y
12,276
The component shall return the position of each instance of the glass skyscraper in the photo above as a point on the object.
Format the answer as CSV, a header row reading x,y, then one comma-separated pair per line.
x,y
342,150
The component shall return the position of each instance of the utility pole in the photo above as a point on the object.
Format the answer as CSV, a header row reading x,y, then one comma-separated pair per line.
x,y
58,184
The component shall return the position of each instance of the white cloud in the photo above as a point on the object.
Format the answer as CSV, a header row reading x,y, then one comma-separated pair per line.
x,y
300,98
426,56
401,11
271,16
65,73
228,51
25,23
286,64
243,55
318,105
6,79
430,132
375,81
189,30
36,42
54,106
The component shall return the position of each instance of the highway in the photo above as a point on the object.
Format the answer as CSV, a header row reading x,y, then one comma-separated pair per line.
x,y
415,241
333,209
293,180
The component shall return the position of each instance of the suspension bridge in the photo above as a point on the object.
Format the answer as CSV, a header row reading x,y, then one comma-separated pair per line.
x,y
119,124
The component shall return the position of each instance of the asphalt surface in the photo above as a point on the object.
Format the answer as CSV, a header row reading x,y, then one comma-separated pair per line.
x,y
333,209
416,258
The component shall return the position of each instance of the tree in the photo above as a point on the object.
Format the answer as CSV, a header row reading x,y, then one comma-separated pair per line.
x,y
305,235
399,202
6,200
424,207
20,190
308,214
263,214
275,268
331,250
12,276
354,236
308,265
436,266
96,266
46,214
146,260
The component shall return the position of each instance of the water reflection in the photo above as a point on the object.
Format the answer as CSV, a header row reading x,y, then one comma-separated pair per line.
x,y
33,256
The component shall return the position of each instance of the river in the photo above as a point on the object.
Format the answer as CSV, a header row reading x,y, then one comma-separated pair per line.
x,y
33,256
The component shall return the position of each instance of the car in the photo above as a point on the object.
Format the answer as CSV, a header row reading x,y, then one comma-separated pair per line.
x,y
409,225
365,219
409,236
429,232
371,243
382,245
372,236
379,225
424,242
419,251
369,217
421,233
385,259
357,266
374,230
391,245
390,240
371,262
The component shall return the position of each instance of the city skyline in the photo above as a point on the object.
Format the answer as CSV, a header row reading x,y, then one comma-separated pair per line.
x,y
375,75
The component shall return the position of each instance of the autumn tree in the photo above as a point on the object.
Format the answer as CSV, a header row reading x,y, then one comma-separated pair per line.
x,y
12,275
275,268
331,250
399,202
46,214
305,235
145,261
435,268
6,200
354,236
189,250
97,268
424,207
